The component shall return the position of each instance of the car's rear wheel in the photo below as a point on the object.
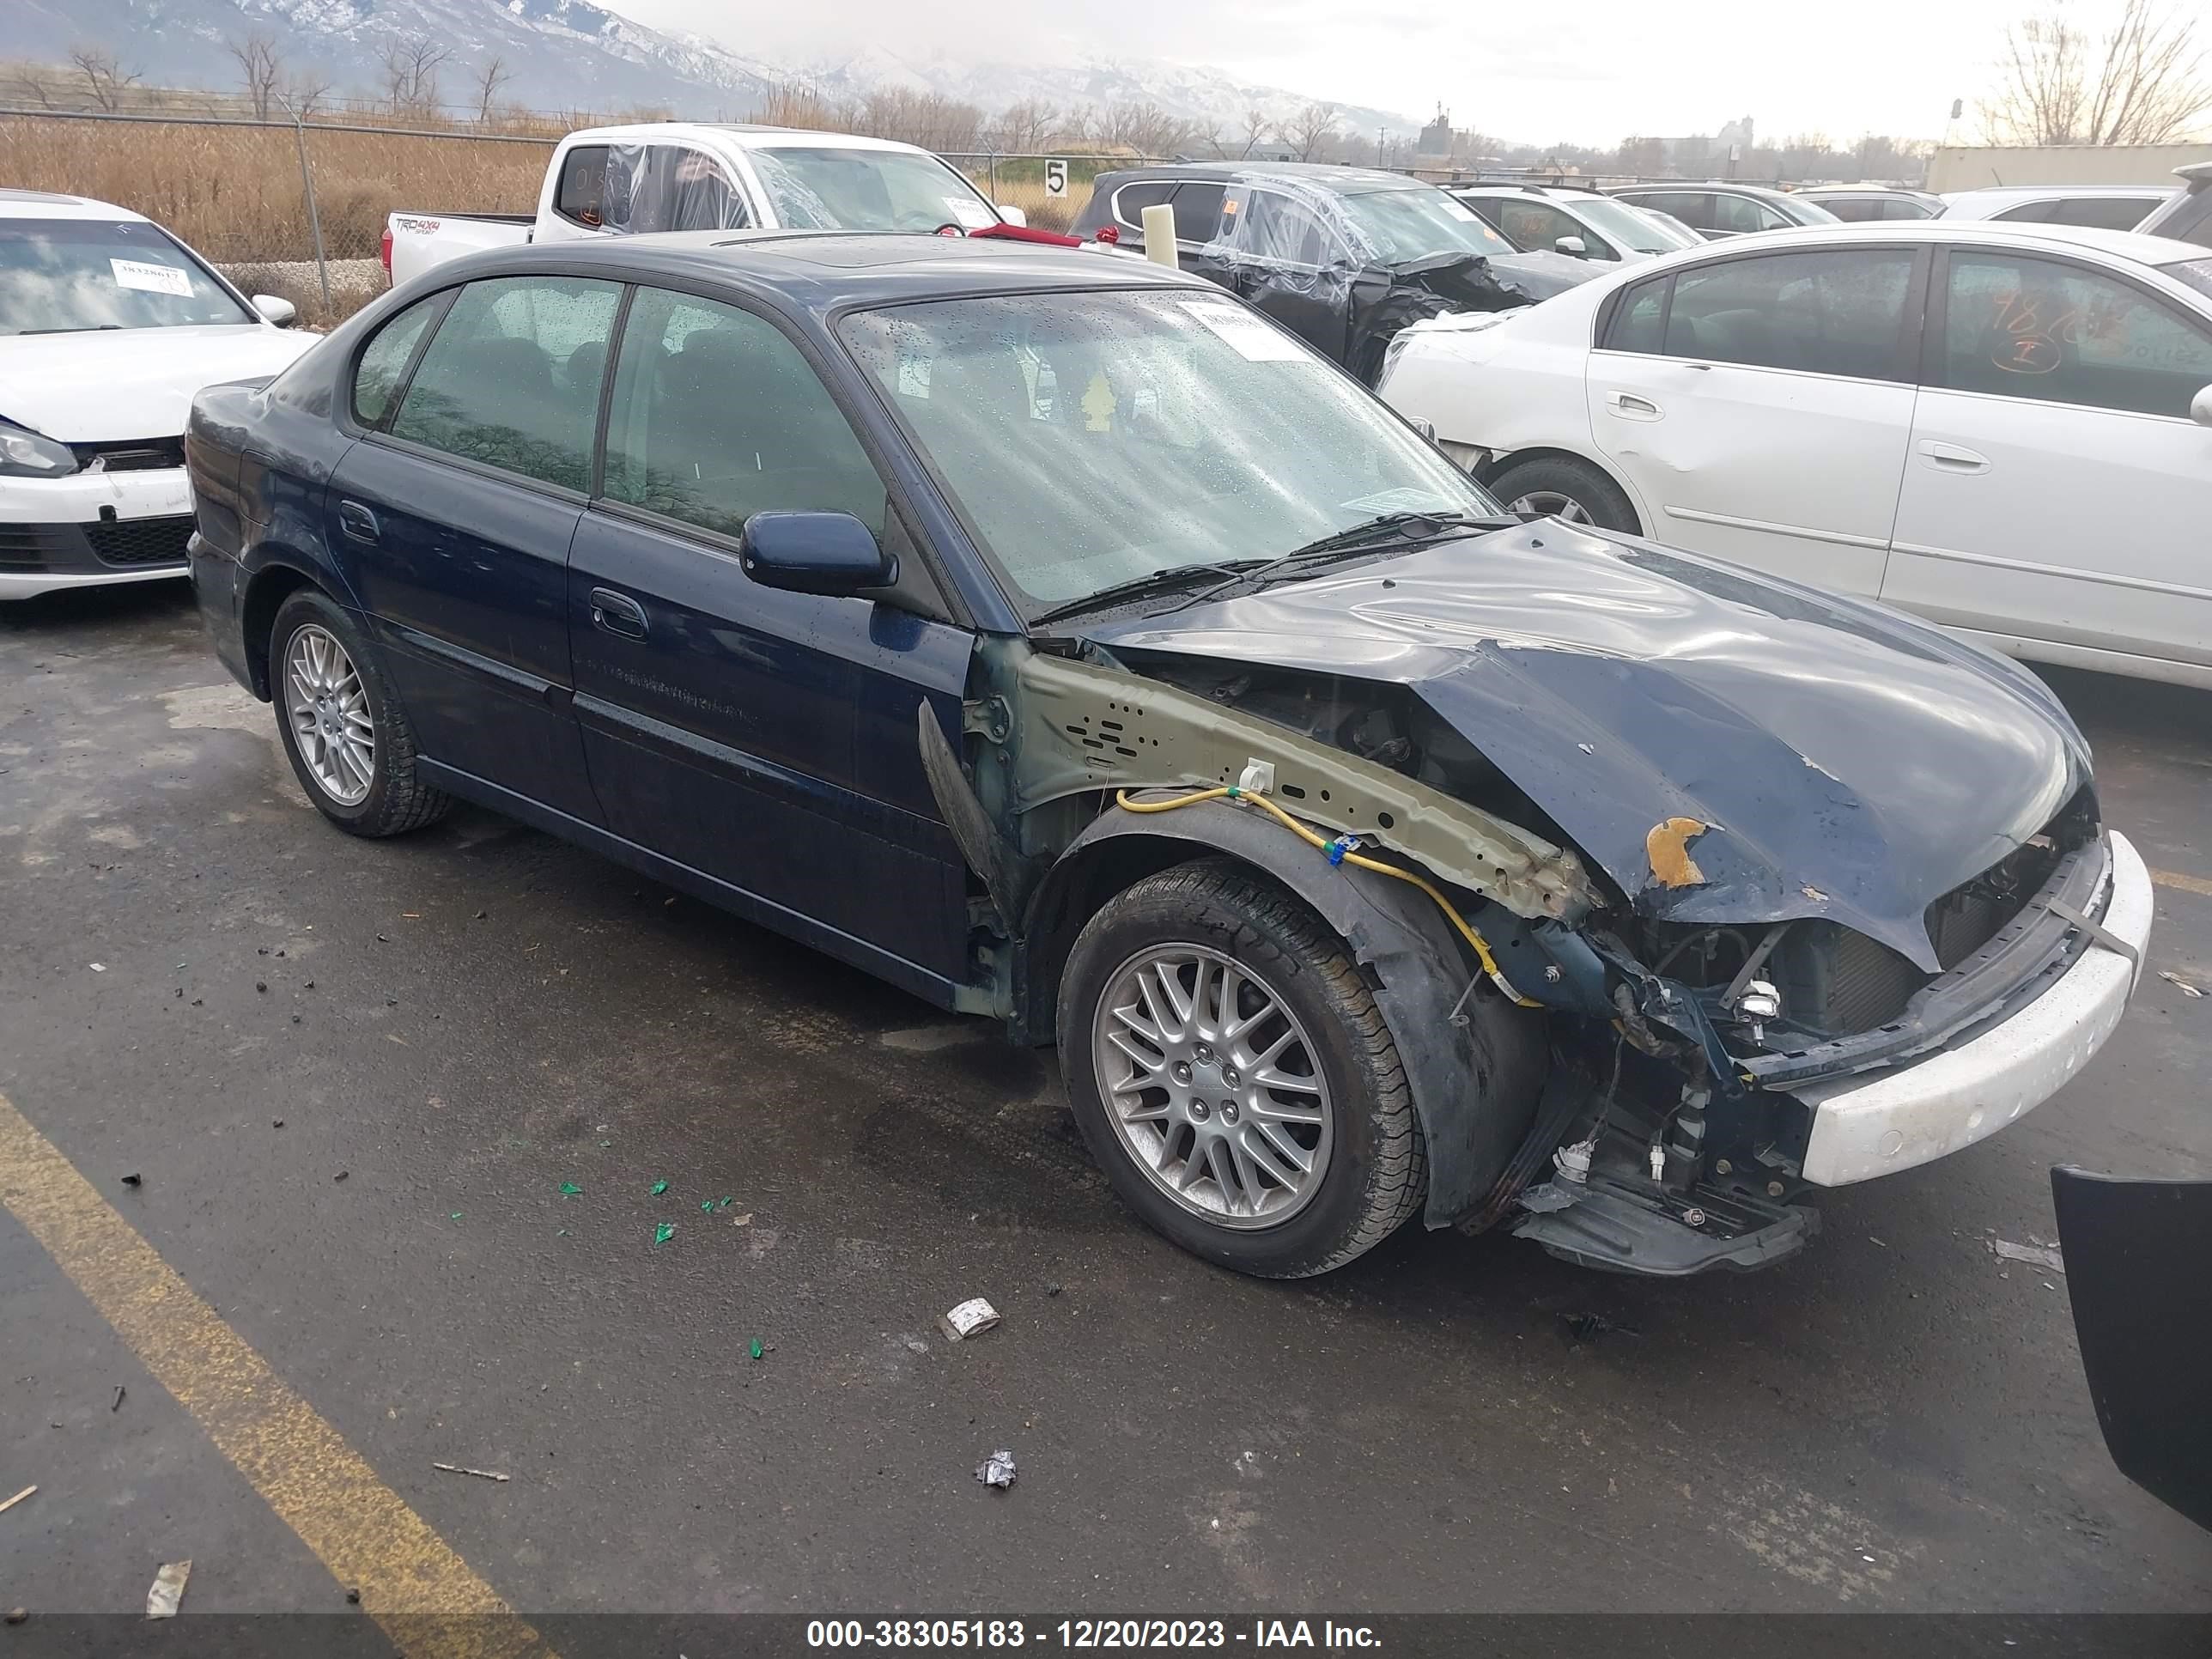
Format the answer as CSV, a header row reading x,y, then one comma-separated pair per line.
x,y
343,726
1231,1073
1572,491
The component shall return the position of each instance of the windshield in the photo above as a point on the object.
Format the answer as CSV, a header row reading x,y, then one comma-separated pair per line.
x,y
837,189
1404,225
59,275
1641,232
1089,440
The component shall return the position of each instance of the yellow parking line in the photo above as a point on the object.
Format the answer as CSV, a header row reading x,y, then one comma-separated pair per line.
x,y
2195,884
411,1580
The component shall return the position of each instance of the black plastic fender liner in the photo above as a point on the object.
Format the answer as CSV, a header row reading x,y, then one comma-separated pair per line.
x,y
1474,1085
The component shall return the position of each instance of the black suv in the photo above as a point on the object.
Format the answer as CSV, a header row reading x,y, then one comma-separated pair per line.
x,y
1342,257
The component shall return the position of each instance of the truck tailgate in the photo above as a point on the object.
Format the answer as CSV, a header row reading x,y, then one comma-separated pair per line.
x,y
421,240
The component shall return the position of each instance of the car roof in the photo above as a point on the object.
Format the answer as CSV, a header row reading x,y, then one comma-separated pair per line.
x,y
825,271
1765,191
1867,190
50,204
1344,180
2126,245
744,134
2009,193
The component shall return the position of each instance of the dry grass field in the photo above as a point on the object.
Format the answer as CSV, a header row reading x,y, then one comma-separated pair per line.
x,y
233,193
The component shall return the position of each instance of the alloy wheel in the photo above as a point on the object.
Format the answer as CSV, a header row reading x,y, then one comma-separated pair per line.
x,y
1214,1085
328,710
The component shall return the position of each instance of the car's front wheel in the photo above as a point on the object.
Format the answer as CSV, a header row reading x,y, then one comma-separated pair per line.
x,y
343,726
1572,491
1231,1073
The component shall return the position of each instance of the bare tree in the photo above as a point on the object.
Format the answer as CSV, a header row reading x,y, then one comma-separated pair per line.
x,y
491,75
105,79
1027,128
411,73
1256,123
2144,83
260,66
303,92
1140,128
1311,132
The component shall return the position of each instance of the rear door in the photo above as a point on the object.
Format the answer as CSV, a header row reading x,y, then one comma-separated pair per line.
x,y
453,517
765,739
1760,404
2057,488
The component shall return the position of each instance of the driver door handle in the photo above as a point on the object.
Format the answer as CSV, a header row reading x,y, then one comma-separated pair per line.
x,y
1632,405
619,613
1949,457
357,521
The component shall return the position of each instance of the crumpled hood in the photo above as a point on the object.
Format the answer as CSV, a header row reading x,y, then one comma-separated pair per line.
x,y
1850,763
100,385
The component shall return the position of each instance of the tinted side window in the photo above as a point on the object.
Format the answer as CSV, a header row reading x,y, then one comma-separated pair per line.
x,y
499,381
1131,201
1198,211
1536,224
376,380
717,416
1900,206
2103,212
1638,319
1836,312
2034,328
2189,219
1694,207
2027,213
1742,215
1854,211
580,196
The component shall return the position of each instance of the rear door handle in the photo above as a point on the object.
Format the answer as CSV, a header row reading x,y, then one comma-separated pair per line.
x,y
1632,406
618,613
357,521
1949,457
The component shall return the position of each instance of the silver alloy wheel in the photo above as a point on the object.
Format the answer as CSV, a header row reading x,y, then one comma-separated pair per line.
x,y
1214,1085
328,708
1551,504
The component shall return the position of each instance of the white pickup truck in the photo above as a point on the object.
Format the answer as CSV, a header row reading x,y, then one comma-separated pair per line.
x,y
672,175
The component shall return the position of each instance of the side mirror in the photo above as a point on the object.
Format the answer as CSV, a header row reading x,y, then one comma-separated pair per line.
x,y
831,553
1573,246
1014,215
282,312
2200,407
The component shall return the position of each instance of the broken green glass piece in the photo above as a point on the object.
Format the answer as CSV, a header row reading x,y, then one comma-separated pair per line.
x,y
664,1232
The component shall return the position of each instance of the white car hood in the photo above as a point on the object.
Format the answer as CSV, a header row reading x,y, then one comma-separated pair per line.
x,y
101,385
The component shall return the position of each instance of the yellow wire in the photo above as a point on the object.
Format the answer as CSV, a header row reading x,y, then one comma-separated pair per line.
x,y
1475,939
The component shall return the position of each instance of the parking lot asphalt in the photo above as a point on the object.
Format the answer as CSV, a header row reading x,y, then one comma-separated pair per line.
x,y
352,1079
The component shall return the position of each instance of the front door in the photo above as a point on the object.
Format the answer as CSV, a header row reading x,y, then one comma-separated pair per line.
x,y
765,739
2057,490
453,518
1760,405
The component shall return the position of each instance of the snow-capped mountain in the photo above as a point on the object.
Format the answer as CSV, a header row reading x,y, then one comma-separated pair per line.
x,y
572,54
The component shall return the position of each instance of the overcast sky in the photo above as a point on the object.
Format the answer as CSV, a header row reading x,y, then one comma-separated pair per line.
x,y
1592,71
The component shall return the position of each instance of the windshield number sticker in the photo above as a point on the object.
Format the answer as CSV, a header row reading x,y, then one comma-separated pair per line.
x,y
151,279
1255,341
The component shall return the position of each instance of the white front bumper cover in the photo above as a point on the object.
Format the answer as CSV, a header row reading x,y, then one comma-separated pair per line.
x,y
1890,1119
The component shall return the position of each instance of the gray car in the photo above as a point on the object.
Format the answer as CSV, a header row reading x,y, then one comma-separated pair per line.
x,y
1715,209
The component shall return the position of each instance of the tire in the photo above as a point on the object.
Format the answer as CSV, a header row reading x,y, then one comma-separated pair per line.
x,y
1367,1168
361,703
1565,489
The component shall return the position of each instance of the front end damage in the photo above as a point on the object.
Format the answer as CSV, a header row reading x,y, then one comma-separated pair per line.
x,y
1625,1059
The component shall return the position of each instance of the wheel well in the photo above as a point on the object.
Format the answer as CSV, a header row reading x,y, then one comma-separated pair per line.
x,y
1497,468
270,586
1074,891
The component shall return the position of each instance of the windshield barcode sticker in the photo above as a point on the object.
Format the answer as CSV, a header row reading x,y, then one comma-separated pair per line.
x,y
151,279
1255,341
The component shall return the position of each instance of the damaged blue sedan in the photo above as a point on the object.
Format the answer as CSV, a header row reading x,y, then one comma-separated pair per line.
x,y
1061,641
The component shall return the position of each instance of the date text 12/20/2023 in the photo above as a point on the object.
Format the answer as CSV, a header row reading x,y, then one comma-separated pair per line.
x,y
1086,1633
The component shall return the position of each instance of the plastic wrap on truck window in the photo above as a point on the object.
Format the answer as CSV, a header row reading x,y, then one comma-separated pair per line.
x,y
656,187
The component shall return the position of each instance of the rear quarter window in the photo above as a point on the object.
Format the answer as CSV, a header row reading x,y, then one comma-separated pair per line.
x,y
382,370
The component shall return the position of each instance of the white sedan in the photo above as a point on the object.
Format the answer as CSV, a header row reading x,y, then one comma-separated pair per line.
x,y
109,325
2005,429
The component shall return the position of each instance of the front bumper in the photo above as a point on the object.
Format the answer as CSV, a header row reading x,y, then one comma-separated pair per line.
x,y
1864,1126
92,529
